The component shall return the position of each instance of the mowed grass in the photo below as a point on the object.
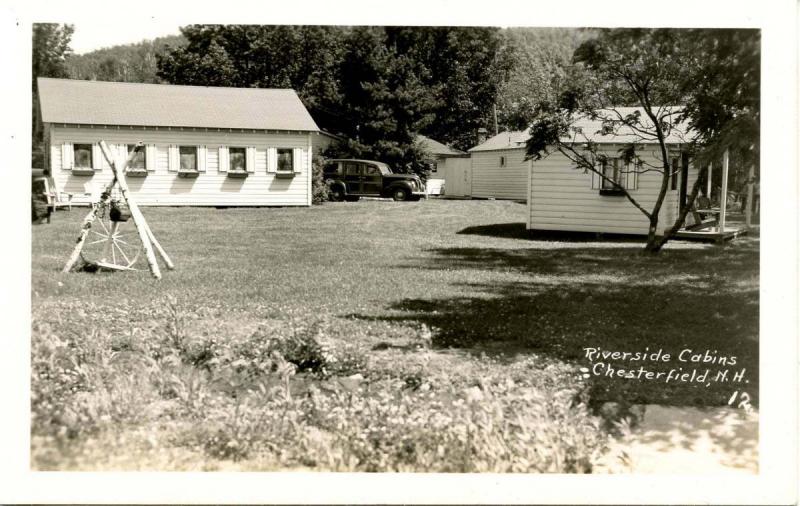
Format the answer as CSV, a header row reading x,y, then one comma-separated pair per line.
x,y
440,333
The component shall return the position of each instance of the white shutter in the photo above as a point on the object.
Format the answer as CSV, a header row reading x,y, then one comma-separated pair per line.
x,y
67,158
595,181
174,162
202,153
97,157
150,157
297,160
250,159
630,176
122,155
224,159
272,159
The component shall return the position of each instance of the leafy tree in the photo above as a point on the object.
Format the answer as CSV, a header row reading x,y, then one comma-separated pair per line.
x,y
304,58
620,67
463,68
539,58
385,101
721,82
50,48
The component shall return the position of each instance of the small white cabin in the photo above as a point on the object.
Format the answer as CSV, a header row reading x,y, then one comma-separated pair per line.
x,y
561,197
499,169
448,163
204,146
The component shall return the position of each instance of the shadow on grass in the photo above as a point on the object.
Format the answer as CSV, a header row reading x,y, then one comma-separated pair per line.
x,y
608,296
519,231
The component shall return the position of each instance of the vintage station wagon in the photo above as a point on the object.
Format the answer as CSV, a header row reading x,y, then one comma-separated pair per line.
x,y
350,179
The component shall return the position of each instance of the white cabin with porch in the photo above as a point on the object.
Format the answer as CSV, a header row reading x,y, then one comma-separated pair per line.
x,y
204,146
561,197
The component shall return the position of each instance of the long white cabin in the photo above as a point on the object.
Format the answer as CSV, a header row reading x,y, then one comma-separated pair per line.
x,y
204,146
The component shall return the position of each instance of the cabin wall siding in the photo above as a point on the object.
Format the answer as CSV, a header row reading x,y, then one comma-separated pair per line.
x,y
490,180
209,188
457,176
562,198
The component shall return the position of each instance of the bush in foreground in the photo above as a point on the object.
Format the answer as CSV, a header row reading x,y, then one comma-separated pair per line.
x,y
297,395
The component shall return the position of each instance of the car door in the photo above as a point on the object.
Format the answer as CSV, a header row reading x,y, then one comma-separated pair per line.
x,y
372,183
352,177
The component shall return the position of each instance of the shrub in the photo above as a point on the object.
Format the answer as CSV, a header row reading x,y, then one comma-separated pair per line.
x,y
319,189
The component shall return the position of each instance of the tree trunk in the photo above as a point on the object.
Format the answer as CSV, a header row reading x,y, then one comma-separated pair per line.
x,y
684,211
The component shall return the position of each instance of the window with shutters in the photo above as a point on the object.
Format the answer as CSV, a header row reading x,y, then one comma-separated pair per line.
x,y
82,156
238,159
138,164
188,158
613,171
285,160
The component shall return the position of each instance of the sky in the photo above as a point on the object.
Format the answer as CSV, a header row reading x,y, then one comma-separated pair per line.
x,y
94,34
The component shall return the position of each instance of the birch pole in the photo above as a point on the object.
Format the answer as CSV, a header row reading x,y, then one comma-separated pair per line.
x,y
87,225
87,222
136,214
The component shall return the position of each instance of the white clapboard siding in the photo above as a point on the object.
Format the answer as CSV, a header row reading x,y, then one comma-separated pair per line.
x,y
457,176
564,198
490,180
210,188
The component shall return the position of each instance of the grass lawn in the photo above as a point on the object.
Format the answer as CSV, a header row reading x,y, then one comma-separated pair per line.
x,y
371,336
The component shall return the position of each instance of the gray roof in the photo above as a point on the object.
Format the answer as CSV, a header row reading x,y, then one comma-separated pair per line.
x,y
436,148
590,129
166,105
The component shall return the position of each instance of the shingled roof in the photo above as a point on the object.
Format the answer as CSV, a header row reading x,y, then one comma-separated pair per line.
x,y
436,148
166,105
591,129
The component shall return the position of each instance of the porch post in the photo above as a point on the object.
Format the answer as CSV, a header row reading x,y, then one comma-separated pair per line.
x,y
724,197
748,213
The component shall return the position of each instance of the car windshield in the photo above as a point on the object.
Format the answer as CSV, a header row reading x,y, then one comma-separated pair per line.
x,y
385,170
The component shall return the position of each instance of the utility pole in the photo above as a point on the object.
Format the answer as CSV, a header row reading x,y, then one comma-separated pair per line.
x,y
494,111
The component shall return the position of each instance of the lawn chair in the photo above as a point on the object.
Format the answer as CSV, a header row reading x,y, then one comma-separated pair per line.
x,y
58,198
701,209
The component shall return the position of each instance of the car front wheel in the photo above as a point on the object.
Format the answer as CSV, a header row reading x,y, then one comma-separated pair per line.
x,y
400,194
337,193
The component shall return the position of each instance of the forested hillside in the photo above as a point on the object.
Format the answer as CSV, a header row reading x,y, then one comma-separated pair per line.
x,y
136,63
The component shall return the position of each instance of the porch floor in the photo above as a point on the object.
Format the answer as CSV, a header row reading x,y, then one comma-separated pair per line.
x,y
711,234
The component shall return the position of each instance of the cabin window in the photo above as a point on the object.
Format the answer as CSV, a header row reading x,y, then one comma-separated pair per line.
x,y
285,160
333,168
188,155
434,167
502,161
238,159
673,180
138,162
82,156
613,173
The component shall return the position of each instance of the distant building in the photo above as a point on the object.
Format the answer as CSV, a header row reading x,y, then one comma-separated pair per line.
x,y
450,166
